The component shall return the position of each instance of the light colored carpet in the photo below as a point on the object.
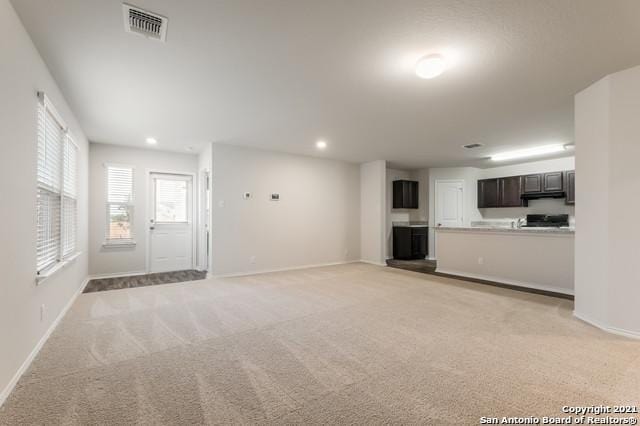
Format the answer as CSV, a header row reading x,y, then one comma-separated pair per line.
x,y
353,344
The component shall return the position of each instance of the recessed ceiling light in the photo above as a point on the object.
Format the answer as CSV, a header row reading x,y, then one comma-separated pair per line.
x,y
529,152
321,144
152,141
431,66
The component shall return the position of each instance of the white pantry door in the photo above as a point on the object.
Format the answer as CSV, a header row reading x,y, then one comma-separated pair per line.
x,y
171,222
449,203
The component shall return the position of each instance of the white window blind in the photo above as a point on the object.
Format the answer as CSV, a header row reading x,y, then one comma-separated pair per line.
x,y
56,204
119,204
69,198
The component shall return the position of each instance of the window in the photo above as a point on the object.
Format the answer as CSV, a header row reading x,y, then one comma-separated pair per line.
x,y
119,205
56,203
171,201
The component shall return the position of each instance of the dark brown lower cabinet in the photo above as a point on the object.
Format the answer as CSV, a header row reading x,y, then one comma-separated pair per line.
x,y
410,242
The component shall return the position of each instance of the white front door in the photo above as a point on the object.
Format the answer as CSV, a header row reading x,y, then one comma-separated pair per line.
x,y
449,203
171,222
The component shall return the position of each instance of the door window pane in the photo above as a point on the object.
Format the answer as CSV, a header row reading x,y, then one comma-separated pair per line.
x,y
171,200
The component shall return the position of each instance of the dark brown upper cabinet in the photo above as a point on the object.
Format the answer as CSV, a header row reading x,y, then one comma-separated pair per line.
x,y
553,182
532,183
488,193
515,191
405,194
500,192
542,182
510,191
570,186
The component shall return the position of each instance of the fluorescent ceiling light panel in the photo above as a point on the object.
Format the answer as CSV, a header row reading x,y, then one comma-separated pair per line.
x,y
529,152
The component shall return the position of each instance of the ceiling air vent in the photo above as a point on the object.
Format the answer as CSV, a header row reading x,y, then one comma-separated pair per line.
x,y
139,21
472,145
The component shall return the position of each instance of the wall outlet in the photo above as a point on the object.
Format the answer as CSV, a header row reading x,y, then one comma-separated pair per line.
x,y
42,310
481,261
221,203
252,260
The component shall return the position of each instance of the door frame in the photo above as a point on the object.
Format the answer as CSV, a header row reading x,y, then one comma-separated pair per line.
x,y
433,254
194,209
435,198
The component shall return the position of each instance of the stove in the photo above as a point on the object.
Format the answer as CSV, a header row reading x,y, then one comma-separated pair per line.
x,y
547,220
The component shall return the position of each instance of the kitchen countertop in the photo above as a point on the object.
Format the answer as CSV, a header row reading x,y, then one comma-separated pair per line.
x,y
410,224
508,230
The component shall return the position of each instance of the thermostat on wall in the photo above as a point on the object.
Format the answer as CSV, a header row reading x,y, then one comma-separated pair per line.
x,y
275,197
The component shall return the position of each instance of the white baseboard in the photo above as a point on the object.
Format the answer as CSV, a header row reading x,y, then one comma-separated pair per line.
x,y
292,268
27,362
117,275
608,329
371,262
506,281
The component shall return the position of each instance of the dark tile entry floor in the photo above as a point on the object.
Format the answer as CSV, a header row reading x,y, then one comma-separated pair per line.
x,y
416,265
116,283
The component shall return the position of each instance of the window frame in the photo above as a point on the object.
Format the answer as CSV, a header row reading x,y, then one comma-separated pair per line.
x,y
130,207
45,106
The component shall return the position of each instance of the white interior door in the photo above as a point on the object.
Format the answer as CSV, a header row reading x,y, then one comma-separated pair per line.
x,y
449,203
171,222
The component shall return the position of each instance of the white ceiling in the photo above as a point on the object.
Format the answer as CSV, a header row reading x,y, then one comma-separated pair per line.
x,y
279,74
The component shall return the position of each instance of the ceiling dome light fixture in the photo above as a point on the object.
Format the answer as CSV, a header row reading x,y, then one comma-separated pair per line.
x,y
431,66
321,144
152,141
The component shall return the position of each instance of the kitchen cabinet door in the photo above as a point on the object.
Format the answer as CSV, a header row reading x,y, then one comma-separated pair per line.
x,y
488,193
553,182
570,182
532,183
510,191
405,194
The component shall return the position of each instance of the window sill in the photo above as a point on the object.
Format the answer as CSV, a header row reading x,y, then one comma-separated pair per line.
x,y
41,277
118,244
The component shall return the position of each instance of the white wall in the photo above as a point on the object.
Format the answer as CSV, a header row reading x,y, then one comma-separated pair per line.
x,y
106,261
22,74
505,257
373,211
543,206
607,130
316,221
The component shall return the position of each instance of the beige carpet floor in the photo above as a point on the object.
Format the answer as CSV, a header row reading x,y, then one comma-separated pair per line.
x,y
355,344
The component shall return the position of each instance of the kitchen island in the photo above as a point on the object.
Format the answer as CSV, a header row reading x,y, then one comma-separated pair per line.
x,y
538,258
